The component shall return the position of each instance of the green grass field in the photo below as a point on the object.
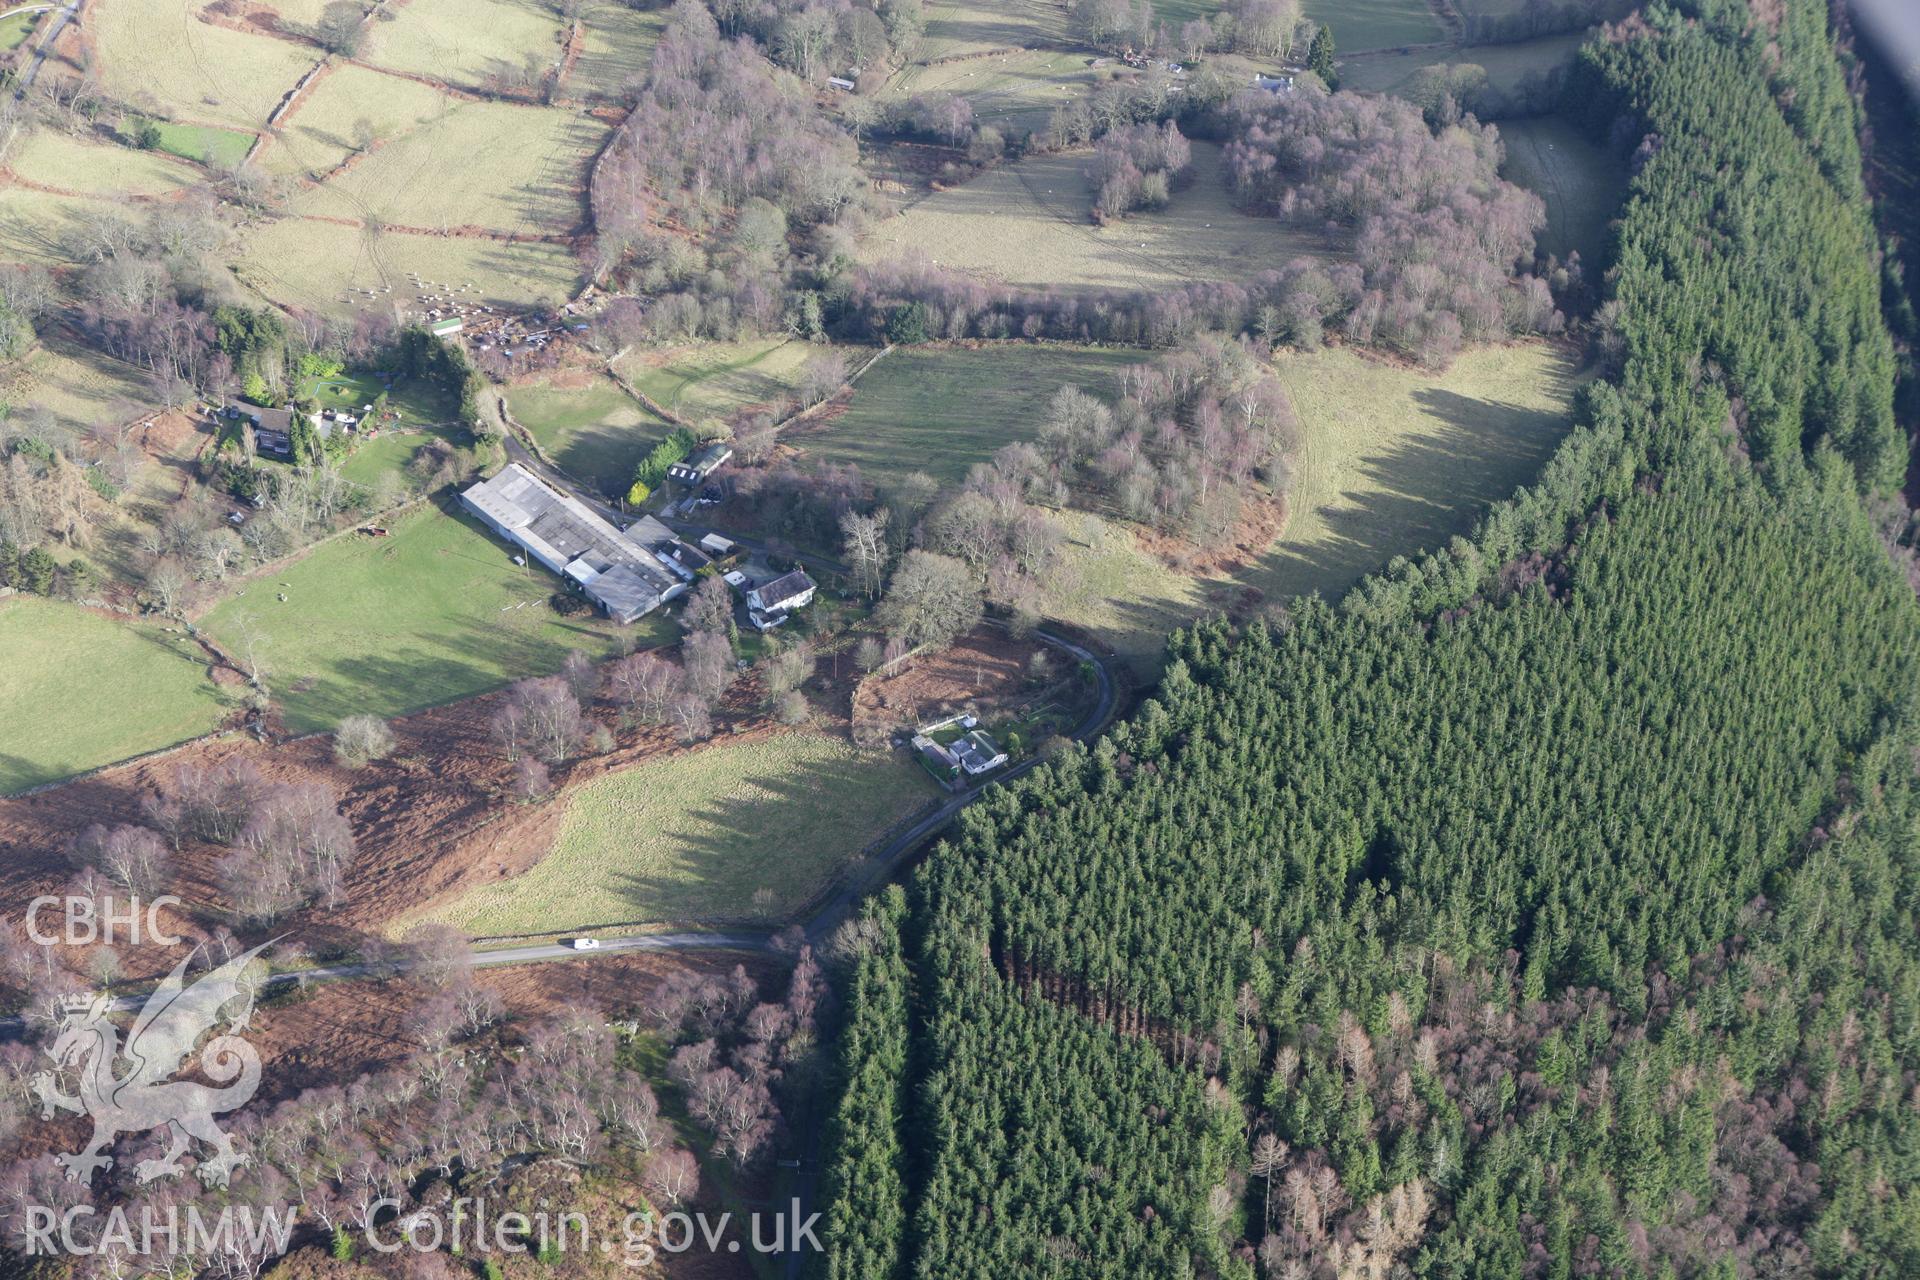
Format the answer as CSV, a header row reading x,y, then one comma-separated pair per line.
x,y
1391,461
437,611
1029,223
203,144
1583,185
15,28
160,58
312,264
597,433
466,42
714,382
615,49
1012,90
318,133
692,838
97,168
940,410
1505,64
1376,24
78,691
425,177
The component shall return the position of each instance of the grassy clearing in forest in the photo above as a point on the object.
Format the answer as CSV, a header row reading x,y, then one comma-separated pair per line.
x,y
1014,90
78,690
942,409
1029,223
1391,461
434,612
694,837
1583,185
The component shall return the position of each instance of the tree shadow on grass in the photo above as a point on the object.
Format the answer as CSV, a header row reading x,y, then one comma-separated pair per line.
x,y
1420,492
786,835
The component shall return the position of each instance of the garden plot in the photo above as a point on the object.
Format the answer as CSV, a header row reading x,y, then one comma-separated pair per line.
x,y
319,265
467,42
1029,223
54,159
531,180
159,55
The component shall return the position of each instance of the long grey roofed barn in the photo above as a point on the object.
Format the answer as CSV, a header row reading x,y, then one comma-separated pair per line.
x,y
623,573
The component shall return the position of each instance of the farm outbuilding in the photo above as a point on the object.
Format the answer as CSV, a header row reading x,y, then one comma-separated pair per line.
x,y
698,466
622,572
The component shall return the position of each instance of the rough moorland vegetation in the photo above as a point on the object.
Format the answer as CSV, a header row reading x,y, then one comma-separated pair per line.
x,y
1545,908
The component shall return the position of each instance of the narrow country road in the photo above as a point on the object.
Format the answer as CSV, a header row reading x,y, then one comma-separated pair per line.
x,y
59,24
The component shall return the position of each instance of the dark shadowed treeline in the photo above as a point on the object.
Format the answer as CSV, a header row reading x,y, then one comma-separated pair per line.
x,y
1546,908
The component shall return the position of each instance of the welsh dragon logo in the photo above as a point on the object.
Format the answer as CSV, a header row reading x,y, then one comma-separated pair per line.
x,y
144,1096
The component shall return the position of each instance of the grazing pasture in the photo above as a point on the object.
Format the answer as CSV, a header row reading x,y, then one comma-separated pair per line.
x,y
1375,24
942,409
971,26
616,45
531,180
435,611
79,690
319,133
1391,461
1030,223
1583,185
596,431
314,264
467,42
1506,65
716,381
55,159
159,56
1013,91
694,837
